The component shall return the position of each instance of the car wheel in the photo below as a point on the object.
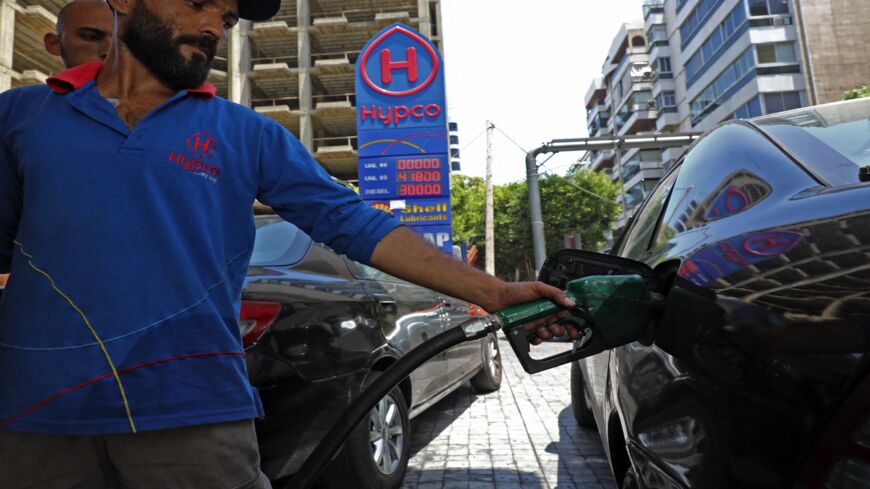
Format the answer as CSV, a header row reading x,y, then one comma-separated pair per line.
x,y
488,379
376,454
580,404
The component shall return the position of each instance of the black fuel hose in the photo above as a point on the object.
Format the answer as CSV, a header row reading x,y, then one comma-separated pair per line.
x,y
368,398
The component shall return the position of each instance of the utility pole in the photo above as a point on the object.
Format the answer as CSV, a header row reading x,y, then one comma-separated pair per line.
x,y
490,214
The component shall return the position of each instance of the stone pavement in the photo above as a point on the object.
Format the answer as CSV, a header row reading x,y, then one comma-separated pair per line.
x,y
471,441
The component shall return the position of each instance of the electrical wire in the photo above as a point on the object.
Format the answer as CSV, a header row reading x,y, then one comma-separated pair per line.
x,y
510,139
472,141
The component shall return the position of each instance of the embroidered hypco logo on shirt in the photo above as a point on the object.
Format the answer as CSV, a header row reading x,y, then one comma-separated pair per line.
x,y
203,145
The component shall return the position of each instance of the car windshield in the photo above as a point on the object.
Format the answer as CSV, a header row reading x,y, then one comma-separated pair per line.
x,y
833,140
278,242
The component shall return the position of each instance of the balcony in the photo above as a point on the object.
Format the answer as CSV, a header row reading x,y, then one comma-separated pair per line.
x,y
335,115
667,118
276,78
595,110
333,73
338,155
598,122
640,117
30,61
653,7
287,113
642,171
602,159
273,39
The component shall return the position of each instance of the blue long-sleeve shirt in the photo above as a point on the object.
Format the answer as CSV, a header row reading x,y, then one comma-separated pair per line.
x,y
128,250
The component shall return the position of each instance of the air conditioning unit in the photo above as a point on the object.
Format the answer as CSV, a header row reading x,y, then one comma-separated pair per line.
x,y
647,73
651,104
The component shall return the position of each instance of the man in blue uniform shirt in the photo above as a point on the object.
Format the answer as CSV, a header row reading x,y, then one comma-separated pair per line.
x,y
125,219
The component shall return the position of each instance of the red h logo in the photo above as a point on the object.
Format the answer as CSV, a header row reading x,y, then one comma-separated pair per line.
x,y
421,72
388,65
201,144
772,243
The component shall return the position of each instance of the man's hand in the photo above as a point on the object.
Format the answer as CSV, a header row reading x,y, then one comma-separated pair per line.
x,y
546,328
406,255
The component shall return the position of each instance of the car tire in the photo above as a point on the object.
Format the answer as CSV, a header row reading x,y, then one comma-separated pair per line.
x,y
365,461
580,404
488,379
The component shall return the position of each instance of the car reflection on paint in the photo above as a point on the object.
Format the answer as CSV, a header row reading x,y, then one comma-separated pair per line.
x,y
317,327
756,374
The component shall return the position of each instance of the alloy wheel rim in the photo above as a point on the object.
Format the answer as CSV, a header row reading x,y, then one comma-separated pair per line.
x,y
493,358
386,435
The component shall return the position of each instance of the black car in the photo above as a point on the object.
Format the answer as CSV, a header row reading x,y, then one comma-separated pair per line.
x,y
755,375
317,328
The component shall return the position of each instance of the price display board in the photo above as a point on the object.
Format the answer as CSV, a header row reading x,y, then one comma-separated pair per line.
x,y
404,177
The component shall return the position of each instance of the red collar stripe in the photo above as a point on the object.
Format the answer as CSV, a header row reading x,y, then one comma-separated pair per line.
x,y
74,78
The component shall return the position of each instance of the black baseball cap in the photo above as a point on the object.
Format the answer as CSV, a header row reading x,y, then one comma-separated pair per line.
x,y
258,9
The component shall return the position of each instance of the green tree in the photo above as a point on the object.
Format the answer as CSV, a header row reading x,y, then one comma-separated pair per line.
x,y
468,200
567,204
859,92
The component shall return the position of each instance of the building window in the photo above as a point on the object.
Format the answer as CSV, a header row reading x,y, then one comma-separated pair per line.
x,y
658,34
748,110
666,100
638,42
778,102
767,7
730,80
716,43
780,52
663,65
696,19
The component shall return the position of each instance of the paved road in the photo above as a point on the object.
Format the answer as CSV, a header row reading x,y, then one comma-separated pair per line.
x,y
470,441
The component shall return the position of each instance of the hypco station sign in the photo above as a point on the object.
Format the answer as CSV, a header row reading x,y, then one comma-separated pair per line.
x,y
402,128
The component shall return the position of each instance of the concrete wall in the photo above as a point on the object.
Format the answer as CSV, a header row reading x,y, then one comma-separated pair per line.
x,y
835,35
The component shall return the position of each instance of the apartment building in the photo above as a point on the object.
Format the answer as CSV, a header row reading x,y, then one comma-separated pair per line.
x,y
296,68
714,60
620,102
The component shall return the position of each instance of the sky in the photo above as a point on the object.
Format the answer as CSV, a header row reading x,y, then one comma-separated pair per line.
x,y
525,65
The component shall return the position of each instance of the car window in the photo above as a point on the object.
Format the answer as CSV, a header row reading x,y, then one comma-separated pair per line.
x,y
278,243
638,238
831,139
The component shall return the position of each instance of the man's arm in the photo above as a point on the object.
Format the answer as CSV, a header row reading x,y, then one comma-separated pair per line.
x,y
406,255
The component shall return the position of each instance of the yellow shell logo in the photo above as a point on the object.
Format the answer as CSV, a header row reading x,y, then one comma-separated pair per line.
x,y
381,206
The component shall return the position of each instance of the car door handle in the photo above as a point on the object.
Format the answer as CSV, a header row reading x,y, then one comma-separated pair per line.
x,y
387,303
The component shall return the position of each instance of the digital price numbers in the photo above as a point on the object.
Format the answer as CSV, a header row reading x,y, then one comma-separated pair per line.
x,y
404,177
418,177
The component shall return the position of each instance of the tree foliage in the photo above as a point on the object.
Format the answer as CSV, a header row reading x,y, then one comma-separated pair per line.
x,y
859,92
566,209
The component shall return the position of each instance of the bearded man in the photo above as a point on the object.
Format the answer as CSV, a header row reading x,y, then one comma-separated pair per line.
x,y
125,217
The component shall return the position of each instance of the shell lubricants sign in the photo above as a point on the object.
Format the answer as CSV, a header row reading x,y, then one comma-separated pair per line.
x,y
402,130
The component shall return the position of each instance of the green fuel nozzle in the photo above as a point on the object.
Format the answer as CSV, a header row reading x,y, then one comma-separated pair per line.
x,y
611,310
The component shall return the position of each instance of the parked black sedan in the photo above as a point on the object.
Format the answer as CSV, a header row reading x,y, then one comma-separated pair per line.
x,y
317,327
756,374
